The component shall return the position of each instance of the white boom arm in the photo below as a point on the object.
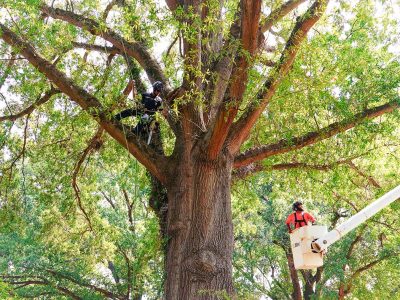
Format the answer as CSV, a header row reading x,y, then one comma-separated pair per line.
x,y
328,239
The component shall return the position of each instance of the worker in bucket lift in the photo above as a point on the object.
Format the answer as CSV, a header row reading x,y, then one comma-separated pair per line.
x,y
299,218
150,104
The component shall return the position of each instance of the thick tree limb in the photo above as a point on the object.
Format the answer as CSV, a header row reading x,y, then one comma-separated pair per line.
x,y
241,129
106,49
279,13
150,159
40,100
192,45
251,169
222,70
310,138
134,49
250,15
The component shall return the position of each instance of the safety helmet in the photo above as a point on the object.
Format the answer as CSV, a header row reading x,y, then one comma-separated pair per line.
x,y
296,205
158,86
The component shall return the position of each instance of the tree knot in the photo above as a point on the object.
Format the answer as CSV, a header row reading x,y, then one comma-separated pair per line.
x,y
207,261
203,264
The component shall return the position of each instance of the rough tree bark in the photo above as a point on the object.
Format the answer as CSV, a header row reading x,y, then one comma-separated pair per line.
x,y
199,228
296,295
310,282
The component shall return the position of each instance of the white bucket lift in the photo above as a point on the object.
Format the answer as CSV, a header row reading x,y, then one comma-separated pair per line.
x,y
300,241
309,243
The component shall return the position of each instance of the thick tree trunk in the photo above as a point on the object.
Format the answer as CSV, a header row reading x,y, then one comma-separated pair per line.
x,y
308,284
308,290
199,229
296,295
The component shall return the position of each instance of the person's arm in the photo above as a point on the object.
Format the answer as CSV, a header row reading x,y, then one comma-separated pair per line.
x,y
309,218
126,113
289,220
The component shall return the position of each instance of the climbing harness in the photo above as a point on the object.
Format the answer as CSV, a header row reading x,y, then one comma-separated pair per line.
x,y
299,221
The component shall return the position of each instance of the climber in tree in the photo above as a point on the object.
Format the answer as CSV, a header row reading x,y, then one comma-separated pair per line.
x,y
150,104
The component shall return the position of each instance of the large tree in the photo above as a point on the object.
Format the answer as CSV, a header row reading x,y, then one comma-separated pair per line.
x,y
232,102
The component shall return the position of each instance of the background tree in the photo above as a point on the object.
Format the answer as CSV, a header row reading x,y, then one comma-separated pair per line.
x,y
230,60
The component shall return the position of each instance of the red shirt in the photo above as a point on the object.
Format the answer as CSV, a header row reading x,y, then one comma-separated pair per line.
x,y
300,216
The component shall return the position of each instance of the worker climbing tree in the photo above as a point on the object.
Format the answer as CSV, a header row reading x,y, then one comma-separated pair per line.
x,y
145,110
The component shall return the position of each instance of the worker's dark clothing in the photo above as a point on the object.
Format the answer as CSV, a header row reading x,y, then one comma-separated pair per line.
x,y
299,219
149,105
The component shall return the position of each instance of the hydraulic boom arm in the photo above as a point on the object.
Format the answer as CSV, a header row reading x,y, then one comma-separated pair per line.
x,y
332,236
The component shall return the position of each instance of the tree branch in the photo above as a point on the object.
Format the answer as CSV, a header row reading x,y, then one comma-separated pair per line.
x,y
106,49
368,266
283,146
247,170
109,200
129,207
7,71
250,15
134,49
94,143
355,241
40,100
370,179
222,70
139,149
167,52
91,286
110,6
25,283
129,271
20,154
241,129
68,292
251,169
279,13
63,290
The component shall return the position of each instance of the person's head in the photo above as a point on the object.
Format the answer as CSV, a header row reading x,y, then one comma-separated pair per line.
x,y
158,87
298,206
